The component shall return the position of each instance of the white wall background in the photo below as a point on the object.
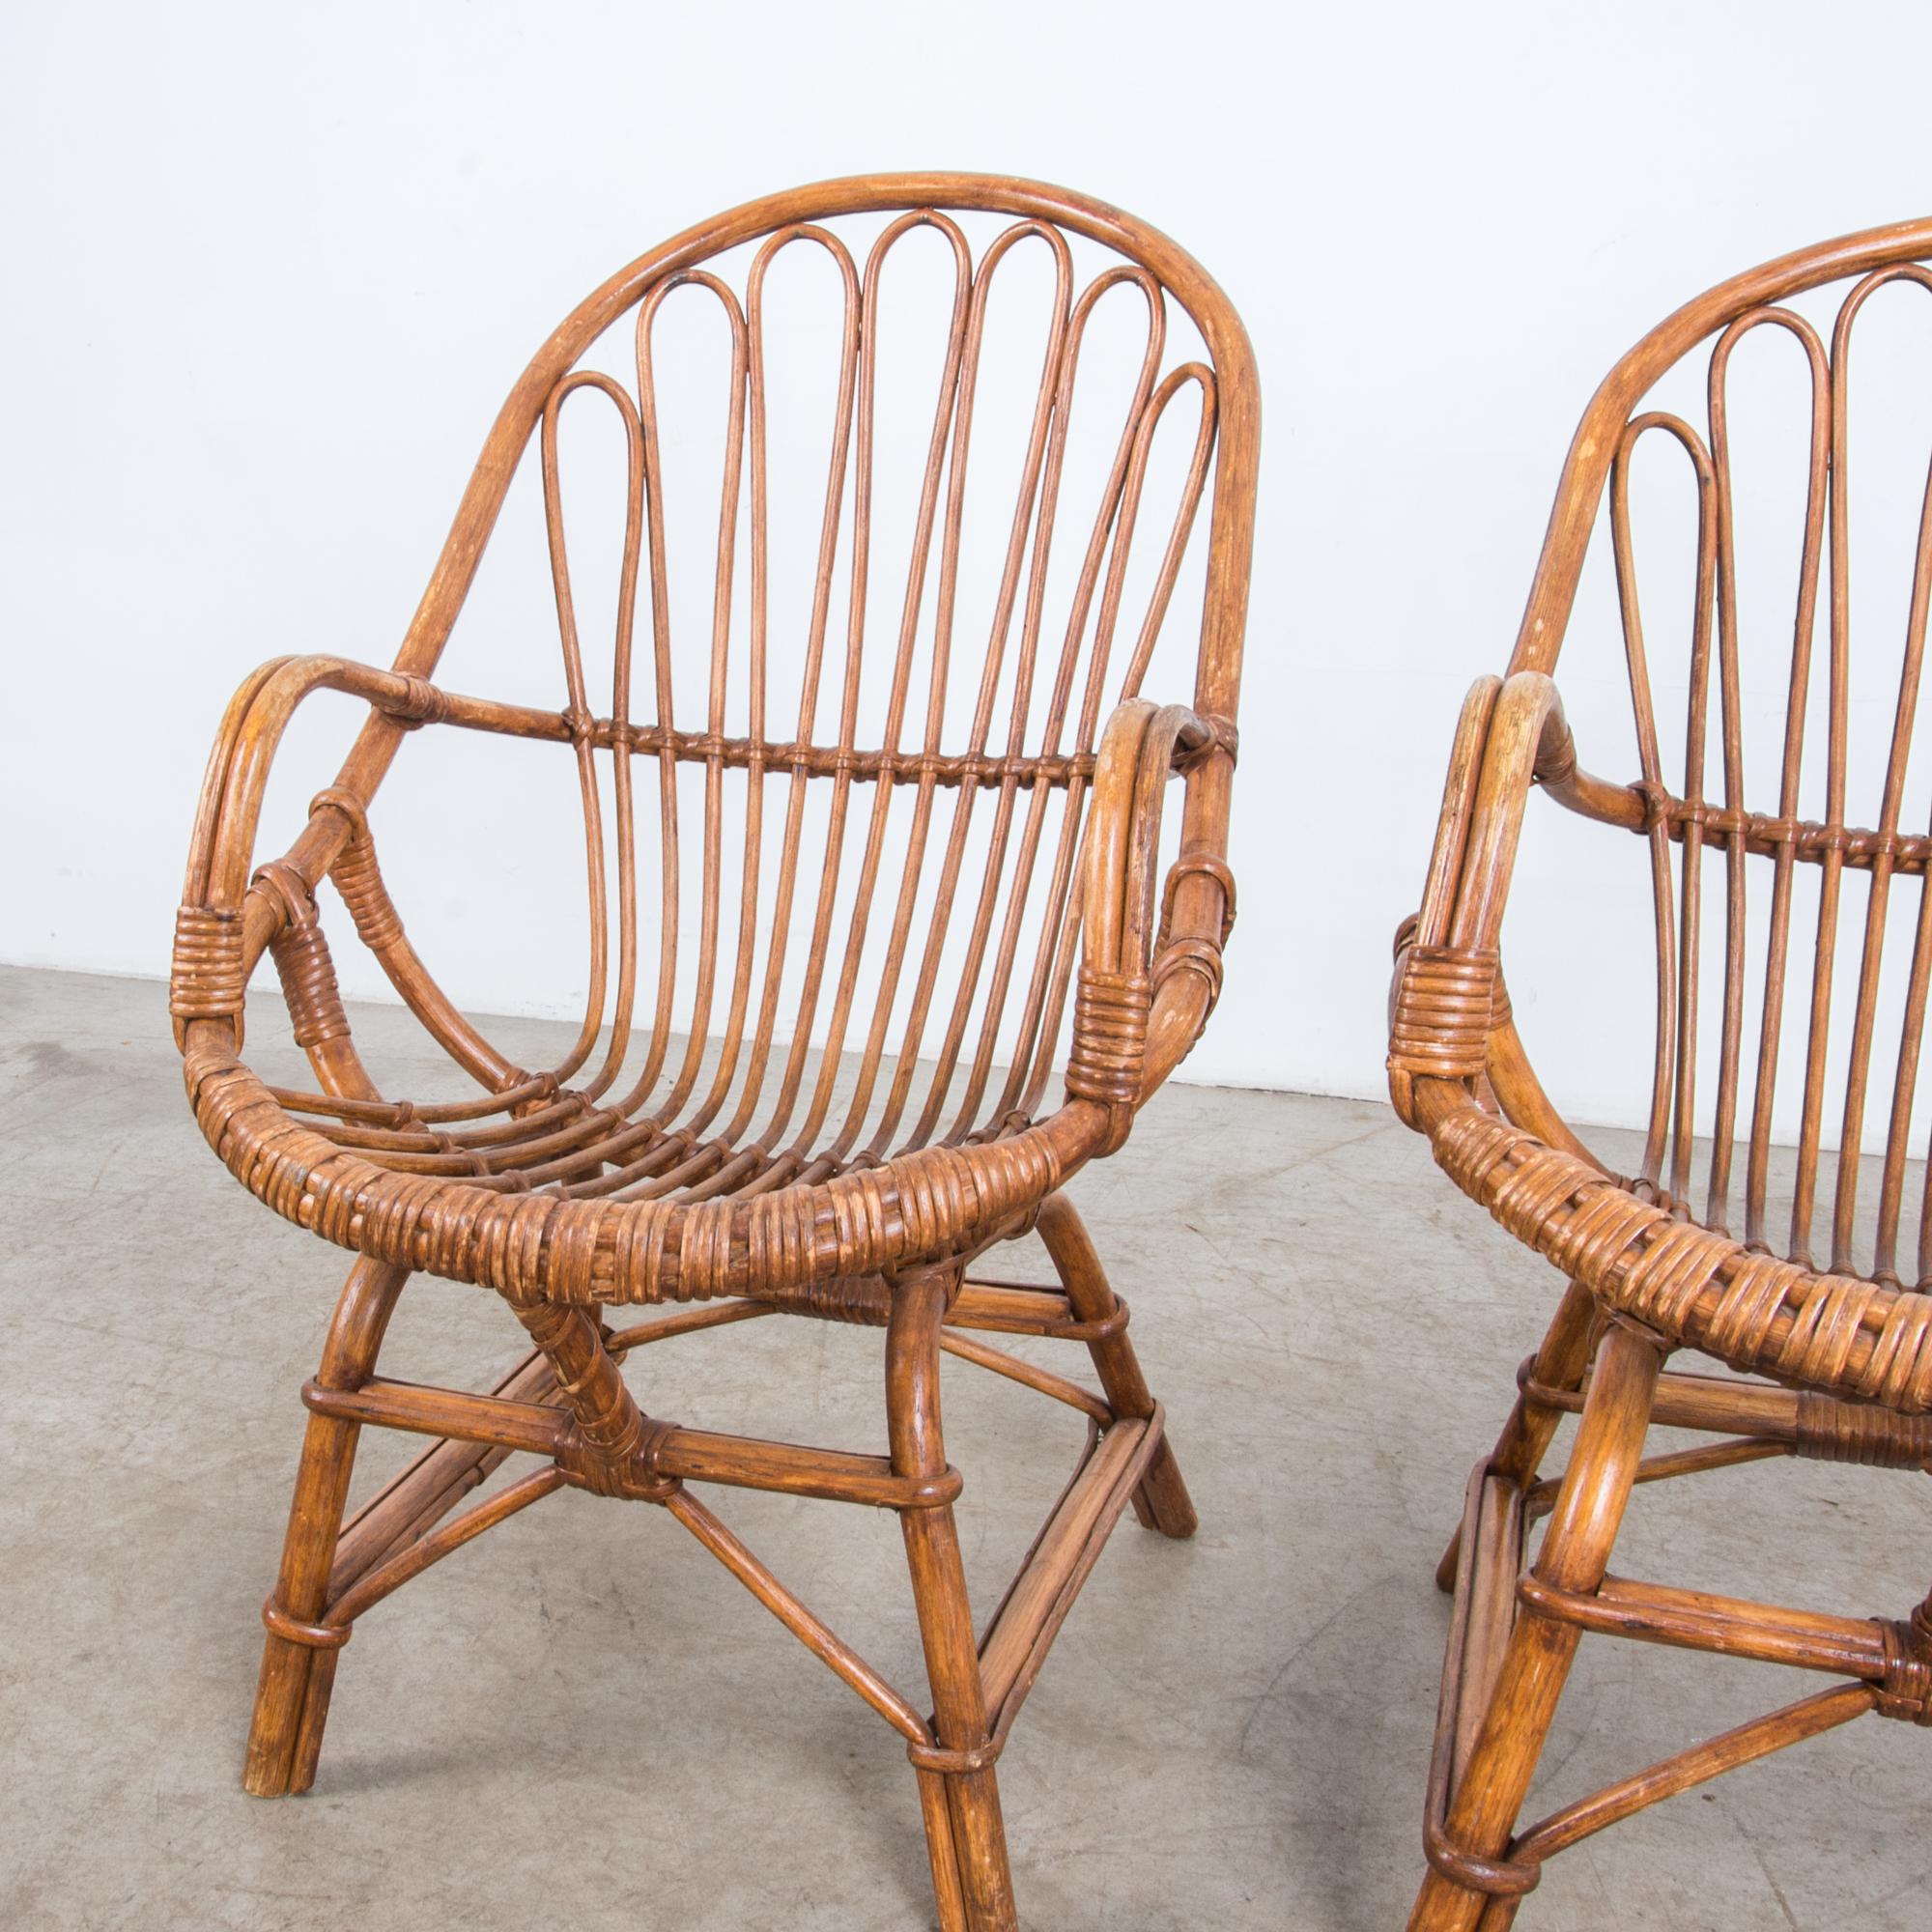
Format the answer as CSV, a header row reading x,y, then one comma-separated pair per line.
x,y
270,271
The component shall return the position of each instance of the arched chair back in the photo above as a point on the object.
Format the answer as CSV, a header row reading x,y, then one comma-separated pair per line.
x,y
834,744
1774,740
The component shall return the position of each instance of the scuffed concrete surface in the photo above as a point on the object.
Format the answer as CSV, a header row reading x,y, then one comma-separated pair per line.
x,y
583,1720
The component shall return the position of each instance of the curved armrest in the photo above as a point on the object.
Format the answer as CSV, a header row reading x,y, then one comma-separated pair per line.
x,y
1148,982
224,925
245,749
1449,1013
232,910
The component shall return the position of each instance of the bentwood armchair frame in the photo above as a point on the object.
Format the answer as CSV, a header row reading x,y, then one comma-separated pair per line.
x,y
734,1185
1837,1346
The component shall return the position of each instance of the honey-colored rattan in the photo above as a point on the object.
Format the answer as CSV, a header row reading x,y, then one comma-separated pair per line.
x,y
1836,1342
843,1152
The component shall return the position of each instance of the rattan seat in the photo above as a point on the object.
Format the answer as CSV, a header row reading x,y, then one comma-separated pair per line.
x,y
1846,1335
534,1212
911,969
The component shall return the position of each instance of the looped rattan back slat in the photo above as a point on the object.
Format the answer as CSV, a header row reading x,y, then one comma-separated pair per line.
x,y
925,1002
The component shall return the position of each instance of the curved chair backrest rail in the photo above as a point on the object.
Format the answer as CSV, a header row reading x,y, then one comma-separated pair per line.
x,y
1586,469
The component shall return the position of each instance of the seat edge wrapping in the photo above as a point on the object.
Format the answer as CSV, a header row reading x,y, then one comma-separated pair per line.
x,y
530,1247
1755,1312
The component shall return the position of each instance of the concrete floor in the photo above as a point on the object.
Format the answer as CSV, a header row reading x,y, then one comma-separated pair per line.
x,y
583,1720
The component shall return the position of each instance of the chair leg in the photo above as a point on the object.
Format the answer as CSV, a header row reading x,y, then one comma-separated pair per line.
x,y
959,1793
1519,1449
1161,1501
1575,1552
293,1691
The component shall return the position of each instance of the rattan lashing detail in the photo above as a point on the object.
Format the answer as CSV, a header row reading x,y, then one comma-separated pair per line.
x,y
1444,1011
1109,1052
302,961
1905,1690
358,877
1201,954
209,976
1833,1431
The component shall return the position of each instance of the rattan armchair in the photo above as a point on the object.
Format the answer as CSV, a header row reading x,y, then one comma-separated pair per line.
x,y
1834,1341
748,1136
